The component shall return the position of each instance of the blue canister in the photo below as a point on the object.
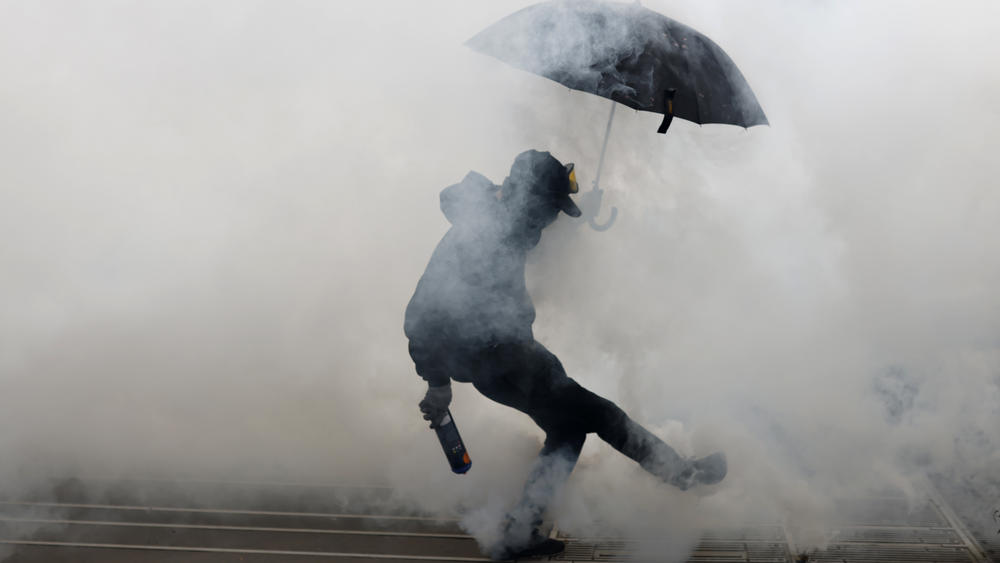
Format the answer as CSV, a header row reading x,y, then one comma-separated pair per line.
x,y
452,445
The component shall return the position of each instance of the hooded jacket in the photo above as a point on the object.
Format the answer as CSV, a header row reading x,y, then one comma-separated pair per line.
x,y
473,292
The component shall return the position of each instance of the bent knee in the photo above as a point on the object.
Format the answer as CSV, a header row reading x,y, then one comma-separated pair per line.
x,y
564,442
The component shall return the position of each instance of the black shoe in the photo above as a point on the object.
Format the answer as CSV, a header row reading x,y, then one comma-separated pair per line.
x,y
707,470
539,546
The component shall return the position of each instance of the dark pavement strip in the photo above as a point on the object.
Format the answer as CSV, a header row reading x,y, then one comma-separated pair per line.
x,y
273,497
211,527
238,538
219,517
78,552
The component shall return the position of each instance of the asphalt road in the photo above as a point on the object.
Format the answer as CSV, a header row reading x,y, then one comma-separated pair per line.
x,y
159,522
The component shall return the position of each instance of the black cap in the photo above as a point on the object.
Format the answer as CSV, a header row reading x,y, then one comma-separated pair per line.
x,y
543,174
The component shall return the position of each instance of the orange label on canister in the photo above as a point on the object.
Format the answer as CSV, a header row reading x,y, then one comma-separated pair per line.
x,y
465,458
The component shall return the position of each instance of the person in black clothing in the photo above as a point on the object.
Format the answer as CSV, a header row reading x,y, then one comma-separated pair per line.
x,y
470,321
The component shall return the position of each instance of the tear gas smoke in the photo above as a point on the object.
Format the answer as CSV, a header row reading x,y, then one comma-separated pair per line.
x,y
212,217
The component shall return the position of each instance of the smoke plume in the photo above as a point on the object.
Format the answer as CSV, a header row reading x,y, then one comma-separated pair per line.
x,y
213,215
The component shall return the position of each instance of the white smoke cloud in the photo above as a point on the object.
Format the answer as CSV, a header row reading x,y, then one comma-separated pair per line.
x,y
212,217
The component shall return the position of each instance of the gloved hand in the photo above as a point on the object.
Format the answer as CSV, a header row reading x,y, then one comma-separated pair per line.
x,y
435,403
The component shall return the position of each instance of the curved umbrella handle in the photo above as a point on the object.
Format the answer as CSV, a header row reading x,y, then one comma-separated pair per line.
x,y
607,224
590,203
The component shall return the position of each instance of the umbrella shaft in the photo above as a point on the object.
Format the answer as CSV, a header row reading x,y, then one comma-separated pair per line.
x,y
604,147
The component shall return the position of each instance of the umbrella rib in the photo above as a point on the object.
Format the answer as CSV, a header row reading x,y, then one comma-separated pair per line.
x,y
691,77
707,46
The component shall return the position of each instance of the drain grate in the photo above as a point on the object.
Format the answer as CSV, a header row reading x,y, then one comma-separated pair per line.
x,y
758,552
576,551
898,535
754,534
891,554
990,545
711,551
889,512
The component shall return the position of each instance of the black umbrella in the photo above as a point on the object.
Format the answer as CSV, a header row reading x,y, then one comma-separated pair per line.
x,y
629,54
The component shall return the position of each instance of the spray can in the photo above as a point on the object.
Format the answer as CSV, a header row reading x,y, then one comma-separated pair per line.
x,y
452,445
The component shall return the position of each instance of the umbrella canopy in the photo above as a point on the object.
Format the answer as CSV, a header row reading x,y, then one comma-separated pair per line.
x,y
628,54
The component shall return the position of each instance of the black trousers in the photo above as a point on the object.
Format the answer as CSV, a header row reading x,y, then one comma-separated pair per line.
x,y
527,377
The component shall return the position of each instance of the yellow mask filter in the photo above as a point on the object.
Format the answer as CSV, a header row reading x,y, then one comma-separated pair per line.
x,y
573,186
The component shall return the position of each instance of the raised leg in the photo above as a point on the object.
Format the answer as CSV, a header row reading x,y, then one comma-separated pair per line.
x,y
529,378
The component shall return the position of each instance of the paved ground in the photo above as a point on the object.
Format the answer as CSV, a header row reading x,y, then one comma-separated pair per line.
x,y
156,522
